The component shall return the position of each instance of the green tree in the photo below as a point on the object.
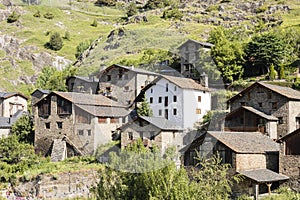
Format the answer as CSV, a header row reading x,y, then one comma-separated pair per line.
x,y
144,109
281,72
227,54
13,17
266,49
272,73
55,43
52,79
82,47
23,129
131,9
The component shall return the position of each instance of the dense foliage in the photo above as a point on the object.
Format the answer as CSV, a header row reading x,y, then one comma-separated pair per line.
x,y
23,129
55,43
54,80
144,109
139,173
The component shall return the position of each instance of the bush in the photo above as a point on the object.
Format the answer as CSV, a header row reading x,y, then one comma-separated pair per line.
x,y
55,42
48,15
82,47
37,14
95,23
13,17
106,2
173,13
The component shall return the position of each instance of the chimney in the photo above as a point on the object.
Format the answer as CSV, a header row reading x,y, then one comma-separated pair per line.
x,y
204,80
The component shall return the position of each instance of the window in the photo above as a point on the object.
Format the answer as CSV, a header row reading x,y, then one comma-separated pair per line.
x,y
151,91
159,112
174,111
274,105
141,134
47,125
152,135
130,135
59,125
280,120
89,132
166,114
175,88
80,132
260,104
167,87
159,99
44,108
108,77
151,99
166,101
64,107
199,98
174,98
198,111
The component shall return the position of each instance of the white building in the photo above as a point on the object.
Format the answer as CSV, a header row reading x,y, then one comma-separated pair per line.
x,y
180,100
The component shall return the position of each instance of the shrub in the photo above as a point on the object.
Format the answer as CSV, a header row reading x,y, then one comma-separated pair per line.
x,y
95,23
272,73
67,36
82,47
172,13
55,42
13,17
48,15
37,14
106,2
131,10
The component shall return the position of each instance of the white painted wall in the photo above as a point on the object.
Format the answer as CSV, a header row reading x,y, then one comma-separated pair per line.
x,y
186,104
12,104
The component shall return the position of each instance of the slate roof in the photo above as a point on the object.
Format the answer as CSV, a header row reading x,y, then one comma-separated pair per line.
x,y
253,110
184,83
7,122
162,123
263,175
5,95
101,111
87,99
133,69
284,91
246,142
295,132
87,79
41,91
204,44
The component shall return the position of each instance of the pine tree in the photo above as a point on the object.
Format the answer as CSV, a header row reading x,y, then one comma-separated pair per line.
x,y
55,42
144,109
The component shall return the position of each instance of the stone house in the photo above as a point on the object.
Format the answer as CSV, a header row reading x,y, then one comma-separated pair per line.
x,y
261,105
189,53
11,103
153,131
37,94
68,123
289,161
251,154
122,83
180,100
82,84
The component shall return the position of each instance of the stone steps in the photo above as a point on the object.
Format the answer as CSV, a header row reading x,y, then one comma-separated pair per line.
x,y
59,150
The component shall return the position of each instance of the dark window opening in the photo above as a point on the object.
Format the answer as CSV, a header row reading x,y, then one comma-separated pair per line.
x,y
59,125
174,111
151,99
44,109
159,112
167,87
260,104
166,114
89,132
152,135
199,98
47,125
174,98
280,120
130,135
80,132
159,99
64,107
108,77
166,101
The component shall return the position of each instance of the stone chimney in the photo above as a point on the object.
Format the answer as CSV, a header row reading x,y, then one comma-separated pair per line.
x,y
204,80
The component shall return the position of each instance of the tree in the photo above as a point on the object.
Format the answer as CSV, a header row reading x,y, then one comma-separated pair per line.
x,y
141,173
23,129
53,79
281,72
144,109
13,17
266,49
56,42
131,9
227,54
272,73
82,47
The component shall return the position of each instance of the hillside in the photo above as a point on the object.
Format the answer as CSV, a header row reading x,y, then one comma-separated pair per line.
x,y
22,44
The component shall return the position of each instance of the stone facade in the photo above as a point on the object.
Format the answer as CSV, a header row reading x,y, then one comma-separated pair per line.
x,y
289,166
244,162
82,84
189,57
123,84
269,102
83,131
151,135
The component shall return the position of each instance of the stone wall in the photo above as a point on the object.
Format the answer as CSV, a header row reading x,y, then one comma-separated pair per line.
x,y
60,186
249,161
289,165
